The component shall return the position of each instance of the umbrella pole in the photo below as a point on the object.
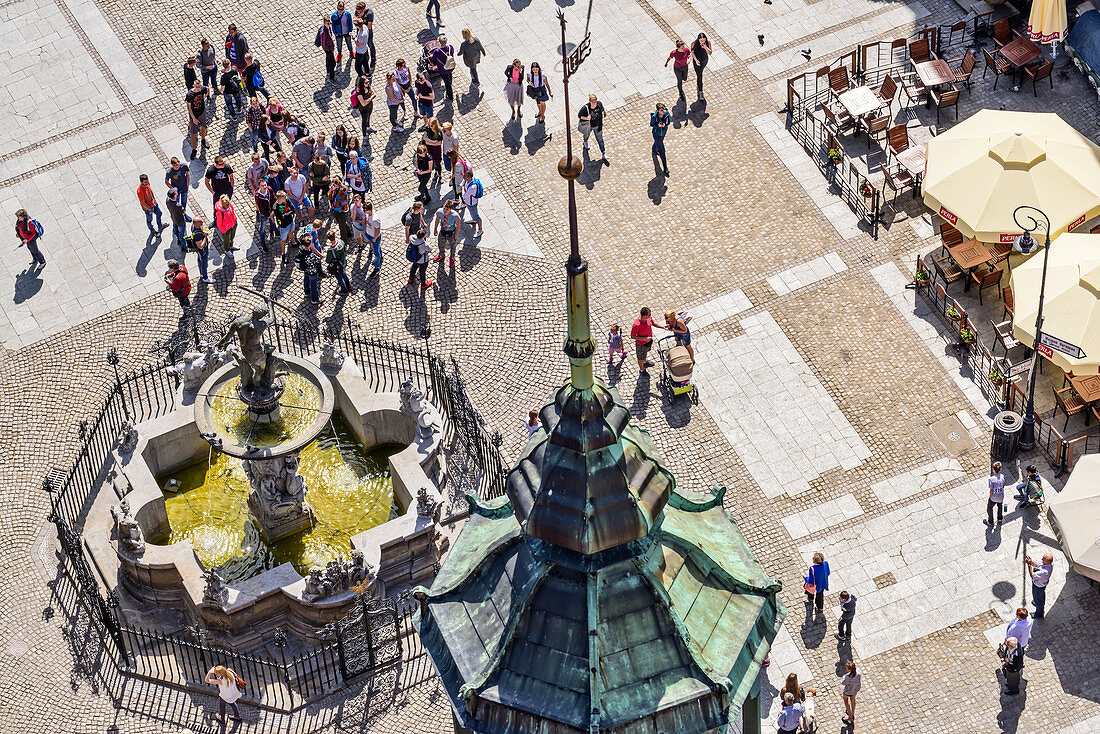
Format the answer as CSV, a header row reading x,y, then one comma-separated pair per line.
x,y
1027,431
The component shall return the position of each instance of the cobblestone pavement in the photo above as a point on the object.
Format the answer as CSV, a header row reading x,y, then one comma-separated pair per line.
x,y
819,377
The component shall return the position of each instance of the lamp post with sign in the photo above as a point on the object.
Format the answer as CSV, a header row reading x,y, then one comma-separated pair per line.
x,y
1026,245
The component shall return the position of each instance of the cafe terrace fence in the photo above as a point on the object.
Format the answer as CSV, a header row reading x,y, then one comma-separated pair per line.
x,y
867,64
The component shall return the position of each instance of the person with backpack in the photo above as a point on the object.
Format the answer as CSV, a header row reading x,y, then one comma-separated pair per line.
x,y
357,173
179,283
179,217
326,41
282,214
472,191
199,241
232,89
444,59
362,99
417,253
29,231
336,260
230,688
236,48
253,79
658,123
445,226
339,203
149,205
413,219
341,29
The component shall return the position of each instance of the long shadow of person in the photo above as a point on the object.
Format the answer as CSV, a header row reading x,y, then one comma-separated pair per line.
x,y
536,138
470,253
843,654
511,135
813,628
656,190
698,114
640,399
152,242
371,290
27,283
590,176
469,101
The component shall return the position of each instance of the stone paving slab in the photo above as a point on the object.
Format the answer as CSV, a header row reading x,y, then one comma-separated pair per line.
x,y
772,409
38,53
819,517
945,566
99,252
923,479
123,66
806,273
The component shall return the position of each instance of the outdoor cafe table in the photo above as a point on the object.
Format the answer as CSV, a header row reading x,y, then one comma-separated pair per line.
x,y
912,160
860,101
1086,386
934,73
1020,52
969,254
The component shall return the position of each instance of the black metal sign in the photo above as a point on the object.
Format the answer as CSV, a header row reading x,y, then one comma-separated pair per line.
x,y
577,56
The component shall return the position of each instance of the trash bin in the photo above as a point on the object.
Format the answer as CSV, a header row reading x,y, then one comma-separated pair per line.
x,y
1006,435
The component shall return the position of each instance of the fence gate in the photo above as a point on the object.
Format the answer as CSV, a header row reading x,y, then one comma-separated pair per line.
x,y
369,637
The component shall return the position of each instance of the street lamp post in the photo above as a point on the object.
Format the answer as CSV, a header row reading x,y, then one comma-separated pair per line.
x,y
1025,243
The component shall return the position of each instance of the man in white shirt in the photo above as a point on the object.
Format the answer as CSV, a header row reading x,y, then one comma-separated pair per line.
x,y
297,193
1040,577
1020,628
374,235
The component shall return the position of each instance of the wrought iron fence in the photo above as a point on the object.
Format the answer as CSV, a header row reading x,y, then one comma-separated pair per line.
x,y
374,636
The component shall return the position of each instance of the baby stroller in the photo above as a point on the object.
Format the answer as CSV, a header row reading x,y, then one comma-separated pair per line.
x,y
424,64
676,369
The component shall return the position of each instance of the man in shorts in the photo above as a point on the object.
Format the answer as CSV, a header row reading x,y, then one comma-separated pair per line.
x,y
642,334
196,116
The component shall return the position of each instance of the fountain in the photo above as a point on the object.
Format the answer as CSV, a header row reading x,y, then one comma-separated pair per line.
x,y
211,512
237,412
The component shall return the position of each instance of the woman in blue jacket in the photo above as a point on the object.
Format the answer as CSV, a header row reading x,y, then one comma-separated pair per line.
x,y
817,582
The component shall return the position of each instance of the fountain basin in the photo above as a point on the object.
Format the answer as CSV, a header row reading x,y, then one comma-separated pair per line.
x,y
402,550
240,421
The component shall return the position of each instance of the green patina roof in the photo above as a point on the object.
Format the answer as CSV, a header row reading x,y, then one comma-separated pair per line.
x,y
673,628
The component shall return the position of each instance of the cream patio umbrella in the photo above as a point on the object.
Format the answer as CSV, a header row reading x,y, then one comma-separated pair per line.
x,y
1047,23
1071,307
1074,513
980,170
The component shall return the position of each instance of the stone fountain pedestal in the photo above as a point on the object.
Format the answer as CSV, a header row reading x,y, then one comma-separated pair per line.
x,y
278,497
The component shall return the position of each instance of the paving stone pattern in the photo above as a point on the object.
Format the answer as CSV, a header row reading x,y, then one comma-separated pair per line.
x,y
819,376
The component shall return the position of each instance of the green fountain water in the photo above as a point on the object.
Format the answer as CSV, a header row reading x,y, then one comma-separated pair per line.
x,y
349,490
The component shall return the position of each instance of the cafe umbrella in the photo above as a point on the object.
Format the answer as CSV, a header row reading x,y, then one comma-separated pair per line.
x,y
982,168
1071,310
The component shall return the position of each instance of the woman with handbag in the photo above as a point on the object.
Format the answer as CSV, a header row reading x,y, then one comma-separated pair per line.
x,y
230,689
817,582
513,87
538,89
362,99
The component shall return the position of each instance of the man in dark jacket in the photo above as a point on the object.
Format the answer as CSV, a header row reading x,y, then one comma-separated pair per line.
x,y
1012,665
236,46
847,614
